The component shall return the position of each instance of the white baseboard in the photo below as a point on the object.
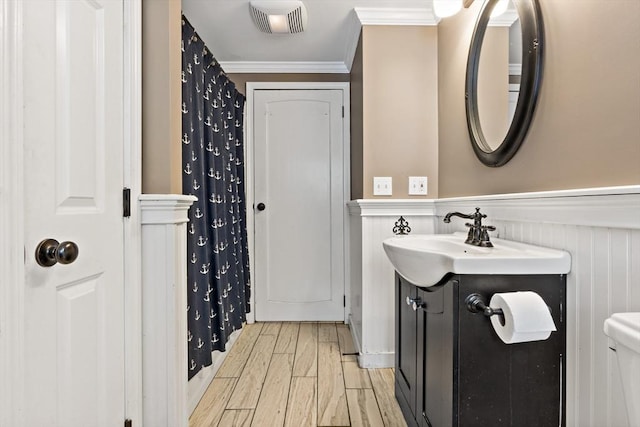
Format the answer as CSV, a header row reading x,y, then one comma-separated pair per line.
x,y
199,384
370,360
354,335
377,360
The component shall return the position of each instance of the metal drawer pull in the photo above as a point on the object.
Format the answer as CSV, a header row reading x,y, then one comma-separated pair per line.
x,y
415,303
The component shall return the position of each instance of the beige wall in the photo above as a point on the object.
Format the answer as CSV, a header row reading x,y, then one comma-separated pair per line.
x,y
586,130
241,79
357,171
161,97
493,85
400,107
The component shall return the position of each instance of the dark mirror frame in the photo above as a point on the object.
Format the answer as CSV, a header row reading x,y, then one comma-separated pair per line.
x,y
532,56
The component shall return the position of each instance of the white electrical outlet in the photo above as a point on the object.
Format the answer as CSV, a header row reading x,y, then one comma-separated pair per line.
x,y
382,186
418,185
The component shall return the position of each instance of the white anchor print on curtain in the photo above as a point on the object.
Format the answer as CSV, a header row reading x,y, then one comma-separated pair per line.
x,y
212,153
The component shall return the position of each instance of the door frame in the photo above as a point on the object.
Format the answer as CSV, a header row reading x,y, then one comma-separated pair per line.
x,y
251,87
12,198
11,214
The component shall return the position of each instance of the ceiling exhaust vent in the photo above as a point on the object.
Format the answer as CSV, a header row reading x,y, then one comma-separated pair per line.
x,y
283,17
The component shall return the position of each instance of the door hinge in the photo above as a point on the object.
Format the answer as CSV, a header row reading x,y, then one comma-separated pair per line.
x,y
128,423
126,202
344,300
343,111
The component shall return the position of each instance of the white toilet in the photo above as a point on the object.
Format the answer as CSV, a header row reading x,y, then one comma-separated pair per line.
x,y
624,330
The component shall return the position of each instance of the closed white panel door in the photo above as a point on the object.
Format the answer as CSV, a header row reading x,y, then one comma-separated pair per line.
x,y
73,139
299,205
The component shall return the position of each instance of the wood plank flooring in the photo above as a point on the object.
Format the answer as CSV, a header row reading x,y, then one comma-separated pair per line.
x,y
297,375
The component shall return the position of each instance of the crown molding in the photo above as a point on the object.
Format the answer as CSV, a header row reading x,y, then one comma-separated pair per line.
x,y
360,16
382,16
504,20
395,16
353,36
321,67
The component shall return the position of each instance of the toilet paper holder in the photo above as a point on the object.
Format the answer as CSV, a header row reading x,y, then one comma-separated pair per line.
x,y
476,304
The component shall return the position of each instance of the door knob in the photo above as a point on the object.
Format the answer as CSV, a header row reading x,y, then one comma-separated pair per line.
x,y
261,206
49,252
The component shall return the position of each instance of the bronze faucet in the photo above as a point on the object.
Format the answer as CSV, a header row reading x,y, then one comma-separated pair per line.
x,y
478,233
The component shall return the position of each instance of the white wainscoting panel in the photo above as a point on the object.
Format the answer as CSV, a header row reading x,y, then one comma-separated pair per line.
x,y
372,293
601,230
354,266
599,227
164,309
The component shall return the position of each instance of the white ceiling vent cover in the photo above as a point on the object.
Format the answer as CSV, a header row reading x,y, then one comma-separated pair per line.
x,y
284,17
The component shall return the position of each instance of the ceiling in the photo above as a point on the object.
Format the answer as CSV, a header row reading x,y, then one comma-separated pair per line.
x,y
327,45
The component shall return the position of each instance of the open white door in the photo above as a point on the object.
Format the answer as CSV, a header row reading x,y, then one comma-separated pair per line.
x,y
299,204
73,179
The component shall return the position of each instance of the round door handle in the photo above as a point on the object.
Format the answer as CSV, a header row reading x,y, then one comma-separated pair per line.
x,y
261,206
49,252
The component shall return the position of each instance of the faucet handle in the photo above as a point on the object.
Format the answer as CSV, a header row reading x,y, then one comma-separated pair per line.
x,y
485,242
471,236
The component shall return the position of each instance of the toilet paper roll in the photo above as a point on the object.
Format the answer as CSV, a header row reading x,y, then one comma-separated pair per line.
x,y
526,317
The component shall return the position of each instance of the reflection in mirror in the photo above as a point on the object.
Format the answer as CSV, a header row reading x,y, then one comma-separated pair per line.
x,y
499,72
504,71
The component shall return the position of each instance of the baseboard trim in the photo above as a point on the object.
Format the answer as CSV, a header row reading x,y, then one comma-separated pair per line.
x,y
354,335
199,384
377,360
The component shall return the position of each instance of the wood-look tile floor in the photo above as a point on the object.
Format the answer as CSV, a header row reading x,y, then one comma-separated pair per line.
x,y
297,375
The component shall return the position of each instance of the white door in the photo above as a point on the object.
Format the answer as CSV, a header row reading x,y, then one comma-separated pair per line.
x,y
73,136
299,205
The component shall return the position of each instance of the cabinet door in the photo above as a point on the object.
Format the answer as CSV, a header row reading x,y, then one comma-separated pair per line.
x,y
434,354
406,343
514,384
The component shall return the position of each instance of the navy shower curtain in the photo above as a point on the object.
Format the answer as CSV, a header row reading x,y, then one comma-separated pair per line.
x,y
213,171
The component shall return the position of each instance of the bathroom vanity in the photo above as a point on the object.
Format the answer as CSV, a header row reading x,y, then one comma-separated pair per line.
x,y
453,370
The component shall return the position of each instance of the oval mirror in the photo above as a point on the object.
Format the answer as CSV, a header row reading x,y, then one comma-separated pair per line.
x,y
504,71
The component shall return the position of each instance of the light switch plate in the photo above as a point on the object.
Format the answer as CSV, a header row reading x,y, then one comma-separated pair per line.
x,y
382,186
418,185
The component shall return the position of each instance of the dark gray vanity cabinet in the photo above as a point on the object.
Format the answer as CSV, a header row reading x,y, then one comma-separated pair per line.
x,y
406,340
453,370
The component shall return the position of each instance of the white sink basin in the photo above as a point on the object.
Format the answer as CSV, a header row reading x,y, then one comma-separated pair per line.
x,y
425,259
